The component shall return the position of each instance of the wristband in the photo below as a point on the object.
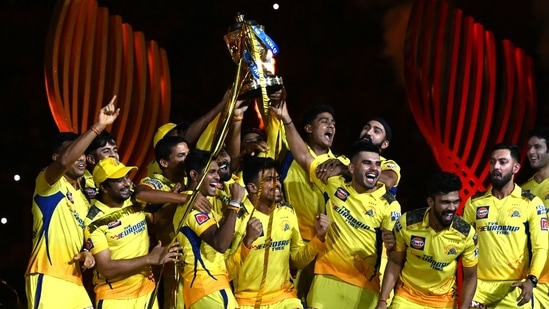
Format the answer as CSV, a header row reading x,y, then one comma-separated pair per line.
x,y
234,205
286,124
94,130
382,301
238,118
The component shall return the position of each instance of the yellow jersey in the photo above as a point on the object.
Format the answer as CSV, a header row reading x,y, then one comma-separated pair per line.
x,y
512,234
287,248
432,254
540,190
353,242
204,270
126,238
57,229
302,193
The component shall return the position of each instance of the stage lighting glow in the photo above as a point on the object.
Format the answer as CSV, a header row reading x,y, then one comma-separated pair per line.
x,y
16,177
276,6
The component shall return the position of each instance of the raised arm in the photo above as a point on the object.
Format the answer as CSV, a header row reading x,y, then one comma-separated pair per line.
x,y
298,147
192,133
76,149
220,237
153,196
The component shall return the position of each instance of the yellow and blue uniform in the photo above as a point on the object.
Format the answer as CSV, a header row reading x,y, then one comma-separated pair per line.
x,y
302,193
246,266
126,238
541,190
58,235
434,255
204,272
353,242
513,241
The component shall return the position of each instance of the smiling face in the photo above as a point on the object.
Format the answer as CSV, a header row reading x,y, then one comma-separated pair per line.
x,y
211,180
365,169
537,152
224,162
374,132
118,189
443,207
321,131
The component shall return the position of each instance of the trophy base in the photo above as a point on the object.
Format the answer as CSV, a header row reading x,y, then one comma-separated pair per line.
x,y
252,89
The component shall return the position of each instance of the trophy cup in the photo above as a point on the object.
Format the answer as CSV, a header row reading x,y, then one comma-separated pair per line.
x,y
247,40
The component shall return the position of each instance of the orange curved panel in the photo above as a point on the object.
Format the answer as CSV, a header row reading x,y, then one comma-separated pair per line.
x,y
126,88
52,66
91,56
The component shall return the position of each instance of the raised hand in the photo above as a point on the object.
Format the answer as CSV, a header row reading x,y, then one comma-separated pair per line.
x,y
254,229
322,223
107,114
237,192
329,168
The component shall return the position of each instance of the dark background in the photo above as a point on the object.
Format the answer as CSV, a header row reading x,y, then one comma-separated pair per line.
x,y
344,53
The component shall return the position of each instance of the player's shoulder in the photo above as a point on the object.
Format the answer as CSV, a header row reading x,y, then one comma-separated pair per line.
x,y
527,194
461,226
415,216
285,206
93,212
389,197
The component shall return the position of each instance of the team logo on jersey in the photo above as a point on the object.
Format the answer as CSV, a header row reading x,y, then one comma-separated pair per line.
x,y
540,210
515,213
285,225
370,212
398,226
543,224
395,215
114,224
450,250
89,244
482,212
475,253
70,197
417,242
475,239
391,166
341,194
201,218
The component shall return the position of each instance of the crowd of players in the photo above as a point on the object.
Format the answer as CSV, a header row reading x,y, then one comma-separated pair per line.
x,y
277,220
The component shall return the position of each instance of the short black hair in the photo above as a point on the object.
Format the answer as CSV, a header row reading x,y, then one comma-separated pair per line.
x,y
540,132
360,146
513,149
310,115
253,130
197,160
165,146
443,183
254,165
58,141
100,141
